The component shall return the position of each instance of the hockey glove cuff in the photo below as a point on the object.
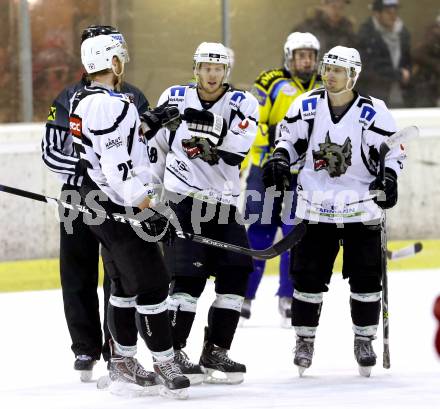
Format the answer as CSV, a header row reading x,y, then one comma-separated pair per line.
x,y
390,189
205,124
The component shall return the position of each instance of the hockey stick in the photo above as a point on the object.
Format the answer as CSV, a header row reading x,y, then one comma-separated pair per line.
x,y
398,138
404,252
286,243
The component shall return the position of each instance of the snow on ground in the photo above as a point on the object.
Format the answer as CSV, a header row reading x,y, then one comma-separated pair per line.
x,y
36,361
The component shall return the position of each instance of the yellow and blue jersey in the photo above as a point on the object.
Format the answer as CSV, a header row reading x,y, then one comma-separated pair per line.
x,y
275,91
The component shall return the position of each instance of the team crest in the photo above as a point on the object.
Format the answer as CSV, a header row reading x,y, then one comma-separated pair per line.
x,y
333,157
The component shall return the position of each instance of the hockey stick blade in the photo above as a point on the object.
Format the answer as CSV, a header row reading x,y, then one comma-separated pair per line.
x,y
402,136
283,245
286,243
404,252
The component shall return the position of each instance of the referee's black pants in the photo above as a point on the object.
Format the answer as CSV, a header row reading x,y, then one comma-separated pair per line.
x,y
79,256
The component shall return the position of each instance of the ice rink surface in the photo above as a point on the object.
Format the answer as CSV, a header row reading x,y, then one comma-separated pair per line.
x,y
36,361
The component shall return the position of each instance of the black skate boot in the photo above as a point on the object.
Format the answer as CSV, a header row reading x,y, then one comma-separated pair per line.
x,y
192,371
127,377
364,354
84,364
215,360
285,310
175,384
246,309
303,353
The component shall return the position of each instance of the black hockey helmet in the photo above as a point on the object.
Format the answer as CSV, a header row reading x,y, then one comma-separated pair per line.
x,y
96,30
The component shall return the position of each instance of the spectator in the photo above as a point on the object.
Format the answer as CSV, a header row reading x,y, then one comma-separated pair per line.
x,y
384,45
427,68
329,24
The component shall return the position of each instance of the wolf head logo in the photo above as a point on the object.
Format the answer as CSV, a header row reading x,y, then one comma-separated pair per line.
x,y
333,157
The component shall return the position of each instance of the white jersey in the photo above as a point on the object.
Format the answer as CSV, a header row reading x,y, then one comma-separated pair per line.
x,y
195,177
340,155
106,124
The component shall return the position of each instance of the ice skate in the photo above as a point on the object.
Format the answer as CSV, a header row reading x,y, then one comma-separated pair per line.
x,y
193,372
174,384
128,378
285,310
245,312
364,354
219,368
303,353
84,364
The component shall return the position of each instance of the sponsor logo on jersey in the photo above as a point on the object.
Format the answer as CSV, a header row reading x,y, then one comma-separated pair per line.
x,y
289,90
309,104
75,125
235,100
181,168
177,94
52,113
367,113
259,95
244,124
333,157
113,143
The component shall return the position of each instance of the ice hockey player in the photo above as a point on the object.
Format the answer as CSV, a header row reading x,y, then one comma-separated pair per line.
x,y
338,132
275,91
79,249
107,131
199,166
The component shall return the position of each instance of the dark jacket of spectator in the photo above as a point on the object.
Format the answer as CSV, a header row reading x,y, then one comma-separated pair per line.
x,y
426,58
328,34
379,73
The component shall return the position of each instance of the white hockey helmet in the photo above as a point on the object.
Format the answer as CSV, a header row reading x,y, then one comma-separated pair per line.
x,y
346,57
97,52
296,41
214,53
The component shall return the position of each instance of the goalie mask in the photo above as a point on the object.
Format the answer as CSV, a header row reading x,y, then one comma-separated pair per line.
x,y
214,53
348,58
97,53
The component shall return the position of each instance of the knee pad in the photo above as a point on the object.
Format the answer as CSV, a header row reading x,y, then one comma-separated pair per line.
x,y
182,302
365,313
122,302
152,309
228,302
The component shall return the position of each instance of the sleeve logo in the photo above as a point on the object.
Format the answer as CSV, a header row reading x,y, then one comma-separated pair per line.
x,y
52,113
75,125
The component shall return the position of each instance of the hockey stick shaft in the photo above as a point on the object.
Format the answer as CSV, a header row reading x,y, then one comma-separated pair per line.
x,y
383,150
283,245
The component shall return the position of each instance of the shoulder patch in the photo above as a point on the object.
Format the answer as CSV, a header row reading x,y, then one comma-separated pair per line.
x,y
75,125
267,78
51,116
177,94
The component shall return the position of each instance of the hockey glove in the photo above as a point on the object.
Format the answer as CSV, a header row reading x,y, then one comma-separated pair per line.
x,y
390,189
200,148
276,171
159,223
205,124
164,115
